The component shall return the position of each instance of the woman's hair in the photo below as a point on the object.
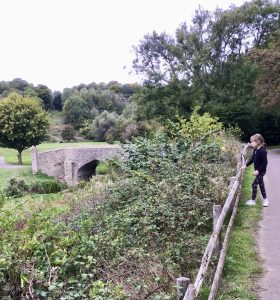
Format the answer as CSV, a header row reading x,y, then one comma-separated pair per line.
x,y
258,138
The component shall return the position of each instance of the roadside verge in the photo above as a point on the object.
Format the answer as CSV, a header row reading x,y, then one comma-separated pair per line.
x,y
243,266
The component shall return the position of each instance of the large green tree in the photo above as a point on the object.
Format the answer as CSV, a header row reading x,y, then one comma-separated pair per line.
x,y
267,85
45,94
23,123
76,110
207,63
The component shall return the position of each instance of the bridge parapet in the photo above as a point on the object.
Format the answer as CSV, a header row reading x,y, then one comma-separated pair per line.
x,y
65,163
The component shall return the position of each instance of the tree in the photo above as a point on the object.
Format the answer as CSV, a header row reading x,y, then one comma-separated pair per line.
x,y
57,101
191,68
45,94
207,64
68,133
76,110
23,123
102,127
267,86
18,84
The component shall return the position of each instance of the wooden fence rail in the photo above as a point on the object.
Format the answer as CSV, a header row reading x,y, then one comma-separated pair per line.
x,y
189,291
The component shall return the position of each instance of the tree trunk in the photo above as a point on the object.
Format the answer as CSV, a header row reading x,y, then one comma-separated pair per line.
x,y
19,157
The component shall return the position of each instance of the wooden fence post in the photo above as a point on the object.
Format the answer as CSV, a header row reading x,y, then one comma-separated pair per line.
x,y
217,209
182,284
191,293
231,182
218,220
221,262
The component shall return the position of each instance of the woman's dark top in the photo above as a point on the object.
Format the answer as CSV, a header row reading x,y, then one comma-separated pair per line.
x,y
259,159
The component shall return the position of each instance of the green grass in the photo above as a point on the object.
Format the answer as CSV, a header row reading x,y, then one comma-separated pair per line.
x,y
57,118
25,173
242,266
10,155
5,174
31,199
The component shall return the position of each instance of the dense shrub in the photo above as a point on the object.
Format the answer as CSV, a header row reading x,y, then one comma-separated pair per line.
x,y
101,125
46,187
2,198
68,133
131,239
128,128
102,169
15,187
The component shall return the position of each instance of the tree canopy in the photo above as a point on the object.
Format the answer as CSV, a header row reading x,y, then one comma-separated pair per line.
x,y
209,63
23,123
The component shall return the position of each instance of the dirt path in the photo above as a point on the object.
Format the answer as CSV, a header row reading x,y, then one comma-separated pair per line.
x,y
269,232
4,165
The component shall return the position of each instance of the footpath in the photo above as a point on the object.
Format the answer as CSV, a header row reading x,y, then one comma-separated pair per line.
x,y
268,237
4,165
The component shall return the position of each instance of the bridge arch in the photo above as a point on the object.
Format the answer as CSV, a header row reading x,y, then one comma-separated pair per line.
x,y
86,171
72,164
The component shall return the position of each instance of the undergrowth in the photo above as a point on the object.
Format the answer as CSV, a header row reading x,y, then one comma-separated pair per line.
x,y
127,234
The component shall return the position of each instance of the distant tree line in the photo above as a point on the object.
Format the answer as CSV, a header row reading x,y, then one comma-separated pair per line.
x,y
51,100
101,112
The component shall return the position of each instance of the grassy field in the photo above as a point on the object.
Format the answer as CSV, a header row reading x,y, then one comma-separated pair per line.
x,y
10,155
242,266
4,174
29,199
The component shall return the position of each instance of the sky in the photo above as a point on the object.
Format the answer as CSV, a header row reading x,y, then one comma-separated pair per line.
x,y
62,43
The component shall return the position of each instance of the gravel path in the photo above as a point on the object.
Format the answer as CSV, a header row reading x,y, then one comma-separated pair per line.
x,y
4,165
269,233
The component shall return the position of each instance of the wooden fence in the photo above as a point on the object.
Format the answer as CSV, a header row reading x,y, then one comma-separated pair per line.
x,y
185,289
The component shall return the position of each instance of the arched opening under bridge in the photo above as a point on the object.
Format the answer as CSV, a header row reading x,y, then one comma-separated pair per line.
x,y
88,170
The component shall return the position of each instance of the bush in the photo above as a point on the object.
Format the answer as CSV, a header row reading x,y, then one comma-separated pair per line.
x,y
2,199
102,124
101,169
46,187
68,133
15,187
127,129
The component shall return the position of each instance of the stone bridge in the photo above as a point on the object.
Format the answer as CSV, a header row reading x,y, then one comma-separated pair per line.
x,y
72,164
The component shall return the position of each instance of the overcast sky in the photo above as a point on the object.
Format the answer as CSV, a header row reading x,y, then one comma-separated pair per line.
x,y
62,43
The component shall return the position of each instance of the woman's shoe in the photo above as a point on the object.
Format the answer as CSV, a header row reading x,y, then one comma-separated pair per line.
x,y
251,202
265,202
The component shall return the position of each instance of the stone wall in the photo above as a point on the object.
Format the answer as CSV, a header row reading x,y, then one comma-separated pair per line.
x,y
65,163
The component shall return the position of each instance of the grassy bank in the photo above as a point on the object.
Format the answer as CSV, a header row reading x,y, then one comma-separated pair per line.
x,y
6,173
274,147
242,266
10,155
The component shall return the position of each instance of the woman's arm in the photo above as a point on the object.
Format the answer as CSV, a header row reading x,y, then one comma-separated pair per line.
x,y
251,160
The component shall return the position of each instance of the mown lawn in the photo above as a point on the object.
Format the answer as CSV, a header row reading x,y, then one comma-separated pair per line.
x,y
10,155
